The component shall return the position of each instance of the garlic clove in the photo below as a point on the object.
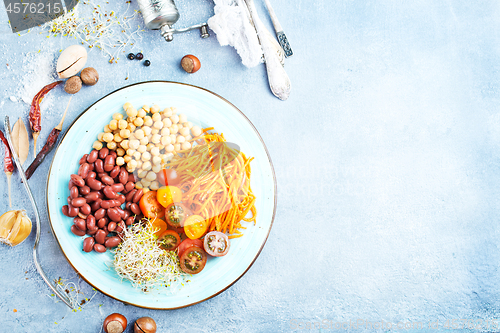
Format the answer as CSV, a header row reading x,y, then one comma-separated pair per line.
x,y
71,61
15,227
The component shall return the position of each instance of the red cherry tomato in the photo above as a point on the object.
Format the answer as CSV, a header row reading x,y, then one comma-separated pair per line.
x,y
169,240
193,260
176,214
216,243
150,207
187,243
168,177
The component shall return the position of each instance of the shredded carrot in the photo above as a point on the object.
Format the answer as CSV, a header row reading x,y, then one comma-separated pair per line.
x,y
216,183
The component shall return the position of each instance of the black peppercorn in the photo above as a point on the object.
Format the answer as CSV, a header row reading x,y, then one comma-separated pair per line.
x,y
131,56
147,63
139,56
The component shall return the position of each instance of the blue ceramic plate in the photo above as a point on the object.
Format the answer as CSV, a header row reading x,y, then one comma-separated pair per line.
x,y
201,106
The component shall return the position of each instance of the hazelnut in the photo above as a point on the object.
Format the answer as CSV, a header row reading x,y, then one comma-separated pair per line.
x,y
115,323
89,76
190,63
145,325
73,85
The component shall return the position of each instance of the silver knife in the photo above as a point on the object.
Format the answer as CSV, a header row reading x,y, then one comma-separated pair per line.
x,y
279,31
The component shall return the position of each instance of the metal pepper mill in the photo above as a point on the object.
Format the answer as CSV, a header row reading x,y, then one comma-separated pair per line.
x,y
162,14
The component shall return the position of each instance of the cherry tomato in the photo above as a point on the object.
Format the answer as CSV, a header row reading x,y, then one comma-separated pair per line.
x,y
195,226
176,214
167,195
168,177
216,243
193,260
187,243
159,225
150,207
169,240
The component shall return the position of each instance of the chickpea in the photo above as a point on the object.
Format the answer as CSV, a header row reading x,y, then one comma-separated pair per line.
x,y
111,145
166,122
145,107
156,117
155,151
182,118
142,173
150,146
186,145
130,152
156,168
131,127
122,124
138,185
180,139
145,182
174,128
165,131
137,155
146,130
148,121
127,158
125,133
127,106
144,141
139,164
117,116
184,131
156,159
141,113
188,124
154,109
124,144
177,147
97,145
107,129
139,133
120,161
120,151
173,138
146,156
167,112
196,131
117,138
99,136
145,190
174,118
156,138
142,149
188,137
151,176
131,112
146,165
113,124
154,185
132,164
138,122
165,140
158,124
107,137
155,131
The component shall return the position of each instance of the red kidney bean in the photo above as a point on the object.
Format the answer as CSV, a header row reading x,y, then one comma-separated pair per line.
x,y
94,184
96,205
120,211
114,215
106,230
112,241
100,214
70,184
131,178
126,214
111,226
109,193
100,236
121,199
106,204
92,196
65,210
83,159
84,170
117,187
109,163
103,153
123,176
77,180
102,222
129,186
98,247
130,195
92,231
120,226
73,211
137,195
92,156
127,205
115,172
100,194
130,220
90,222
85,209
84,190
68,199
113,153
78,202
80,224
92,166
77,231
91,174
73,193
135,209
88,244
99,166
102,174
81,215
107,180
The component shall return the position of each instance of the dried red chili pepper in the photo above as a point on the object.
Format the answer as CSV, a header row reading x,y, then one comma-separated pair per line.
x,y
49,145
8,163
35,114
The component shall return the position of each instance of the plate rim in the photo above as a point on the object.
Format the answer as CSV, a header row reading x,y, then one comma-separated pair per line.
x,y
263,145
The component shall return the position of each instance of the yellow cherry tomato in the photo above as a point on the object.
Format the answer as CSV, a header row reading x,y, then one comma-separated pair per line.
x,y
167,195
159,225
195,226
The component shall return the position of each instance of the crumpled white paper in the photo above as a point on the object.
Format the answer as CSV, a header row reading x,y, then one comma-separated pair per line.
x,y
233,27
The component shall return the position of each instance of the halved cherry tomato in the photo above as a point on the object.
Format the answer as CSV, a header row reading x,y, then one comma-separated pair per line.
x,y
169,240
167,195
195,226
187,243
179,230
168,177
193,260
150,207
176,214
159,225
216,243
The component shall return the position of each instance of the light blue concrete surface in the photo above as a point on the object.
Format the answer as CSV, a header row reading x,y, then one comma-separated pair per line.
x,y
387,157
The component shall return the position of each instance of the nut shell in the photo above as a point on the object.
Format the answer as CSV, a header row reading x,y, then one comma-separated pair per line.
x,y
71,61
145,325
190,63
73,85
89,76
115,323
